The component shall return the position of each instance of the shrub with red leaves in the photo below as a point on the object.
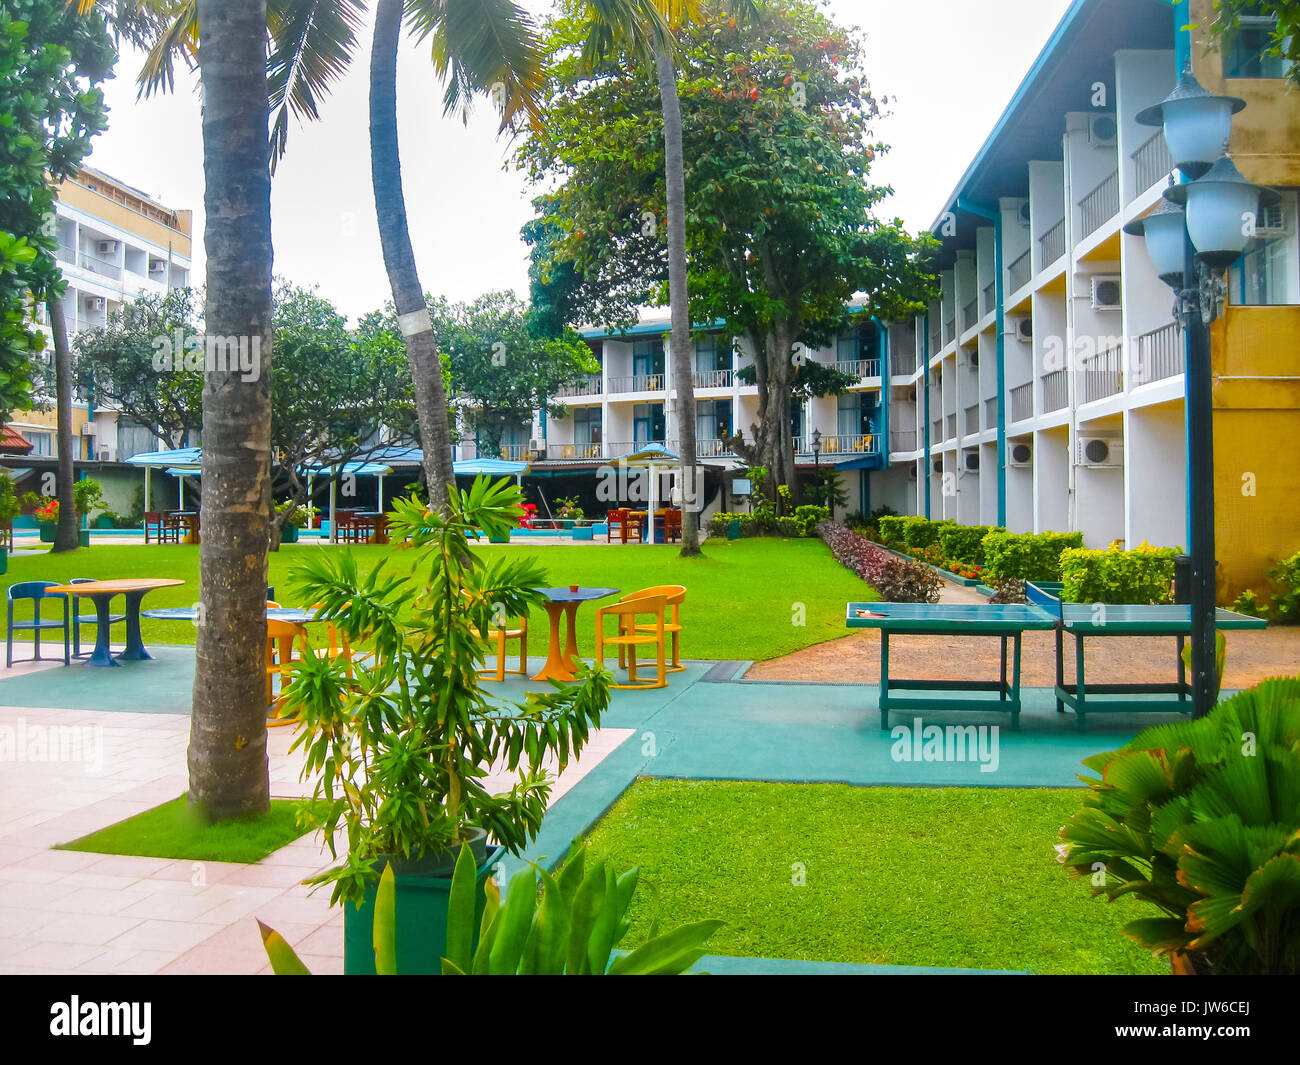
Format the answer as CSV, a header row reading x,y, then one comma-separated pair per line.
x,y
896,579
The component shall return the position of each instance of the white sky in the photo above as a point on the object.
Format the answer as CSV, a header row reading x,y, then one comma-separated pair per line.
x,y
949,68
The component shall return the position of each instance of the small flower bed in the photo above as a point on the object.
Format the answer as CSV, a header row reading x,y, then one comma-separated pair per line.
x,y
898,580
934,556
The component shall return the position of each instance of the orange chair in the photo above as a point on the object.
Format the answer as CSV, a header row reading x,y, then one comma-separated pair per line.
x,y
500,635
625,522
339,645
280,638
674,595
631,636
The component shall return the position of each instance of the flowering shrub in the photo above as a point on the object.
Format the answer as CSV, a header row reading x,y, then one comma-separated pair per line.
x,y
1143,575
898,580
48,511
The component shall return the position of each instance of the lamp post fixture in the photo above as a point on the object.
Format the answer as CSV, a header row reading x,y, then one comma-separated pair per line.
x,y
817,450
1193,237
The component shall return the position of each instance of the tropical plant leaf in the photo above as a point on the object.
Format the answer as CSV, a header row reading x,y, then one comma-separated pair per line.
x,y
284,962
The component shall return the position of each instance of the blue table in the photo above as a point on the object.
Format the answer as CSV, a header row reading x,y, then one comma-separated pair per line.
x,y
101,594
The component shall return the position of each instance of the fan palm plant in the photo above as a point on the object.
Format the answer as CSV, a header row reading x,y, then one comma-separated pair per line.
x,y
1202,820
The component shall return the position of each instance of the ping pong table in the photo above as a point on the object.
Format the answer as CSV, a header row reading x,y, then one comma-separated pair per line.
x,y
1044,611
1085,620
1009,623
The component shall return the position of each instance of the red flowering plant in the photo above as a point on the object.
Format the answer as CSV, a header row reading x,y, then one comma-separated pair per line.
x,y
49,512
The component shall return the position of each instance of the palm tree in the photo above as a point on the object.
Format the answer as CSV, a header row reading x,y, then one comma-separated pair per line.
x,y
65,535
646,29
256,58
479,46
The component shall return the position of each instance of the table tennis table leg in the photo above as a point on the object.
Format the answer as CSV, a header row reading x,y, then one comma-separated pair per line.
x,y
1002,694
1182,675
1060,668
1081,705
1015,680
884,680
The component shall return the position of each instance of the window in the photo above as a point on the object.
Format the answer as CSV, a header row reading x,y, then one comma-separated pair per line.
x,y
1251,53
796,420
648,423
586,425
42,443
1268,273
856,415
860,343
711,356
648,361
713,419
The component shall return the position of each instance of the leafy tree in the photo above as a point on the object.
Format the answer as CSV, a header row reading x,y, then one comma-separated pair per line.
x,y
1284,39
52,61
500,367
781,224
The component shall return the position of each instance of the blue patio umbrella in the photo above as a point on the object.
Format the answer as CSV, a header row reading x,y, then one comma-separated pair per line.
x,y
652,455
175,461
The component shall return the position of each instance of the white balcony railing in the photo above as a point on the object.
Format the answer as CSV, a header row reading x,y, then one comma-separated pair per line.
x,y
713,378
1019,272
1160,354
860,368
589,387
1100,205
637,383
1022,402
1056,391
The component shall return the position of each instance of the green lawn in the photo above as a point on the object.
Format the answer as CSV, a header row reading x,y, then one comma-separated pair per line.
x,y
959,877
743,599
177,830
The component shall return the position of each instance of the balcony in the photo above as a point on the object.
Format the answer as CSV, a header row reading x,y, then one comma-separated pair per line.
x,y
950,425
1056,391
950,329
1051,245
589,387
971,419
970,315
936,431
1100,205
96,265
850,444
653,382
573,452
903,440
1160,354
991,413
1152,163
936,340
1102,375
903,365
1022,402
990,297
713,378
861,368
1019,273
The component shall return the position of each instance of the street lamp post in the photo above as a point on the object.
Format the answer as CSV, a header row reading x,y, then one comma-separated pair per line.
x,y
1200,230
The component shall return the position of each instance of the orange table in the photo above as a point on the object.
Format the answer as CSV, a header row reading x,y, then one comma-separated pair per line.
x,y
101,594
562,660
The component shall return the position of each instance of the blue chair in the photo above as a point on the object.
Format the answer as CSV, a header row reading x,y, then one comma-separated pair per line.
x,y
79,619
35,591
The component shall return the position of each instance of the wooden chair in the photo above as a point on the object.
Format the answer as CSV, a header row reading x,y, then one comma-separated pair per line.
x,y
630,636
345,526
173,529
625,522
674,595
158,529
672,526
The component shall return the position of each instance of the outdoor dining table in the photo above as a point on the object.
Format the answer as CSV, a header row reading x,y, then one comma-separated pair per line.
x,y
191,520
562,660
101,594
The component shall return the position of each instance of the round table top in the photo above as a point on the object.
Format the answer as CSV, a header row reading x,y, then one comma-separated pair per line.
x,y
116,587
564,595
295,614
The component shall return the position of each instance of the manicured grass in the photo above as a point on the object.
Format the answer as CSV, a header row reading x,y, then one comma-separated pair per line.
x,y
957,877
747,599
176,830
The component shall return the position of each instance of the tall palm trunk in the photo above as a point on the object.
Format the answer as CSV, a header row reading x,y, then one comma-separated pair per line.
x,y
227,753
680,340
65,536
399,258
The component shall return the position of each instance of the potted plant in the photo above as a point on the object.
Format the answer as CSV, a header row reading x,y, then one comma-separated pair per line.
x,y
300,516
87,497
570,928
46,511
1201,819
397,740
571,510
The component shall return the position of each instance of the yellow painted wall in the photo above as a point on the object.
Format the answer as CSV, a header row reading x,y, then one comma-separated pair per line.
x,y
1256,443
118,214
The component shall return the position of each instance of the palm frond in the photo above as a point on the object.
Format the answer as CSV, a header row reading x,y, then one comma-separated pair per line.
x,y
311,43
179,36
482,47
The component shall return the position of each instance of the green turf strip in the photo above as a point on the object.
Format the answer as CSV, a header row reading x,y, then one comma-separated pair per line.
x,y
176,830
954,877
751,599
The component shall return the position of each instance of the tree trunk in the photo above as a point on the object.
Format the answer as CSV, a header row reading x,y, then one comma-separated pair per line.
x,y
399,258
227,753
679,303
775,442
65,535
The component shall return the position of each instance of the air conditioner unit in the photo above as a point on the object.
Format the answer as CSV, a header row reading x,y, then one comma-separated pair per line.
x,y
1020,456
1022,329
938,466
972,460
1100,451
912,474
95,303
106,247
974,360
1023,214
108,454
88,429
537,447
157,266
1106,293
1103,131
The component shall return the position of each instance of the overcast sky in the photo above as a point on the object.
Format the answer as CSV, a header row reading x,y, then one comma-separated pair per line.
x,y
948,66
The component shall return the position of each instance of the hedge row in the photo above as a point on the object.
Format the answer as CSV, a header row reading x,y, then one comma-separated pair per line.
x,y
1027,556
1144,575
804,523
898,580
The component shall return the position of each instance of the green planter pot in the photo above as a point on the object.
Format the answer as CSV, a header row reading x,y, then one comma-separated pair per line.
x,y
421,918
83,537
499,539
47,531
289,534
103,522
4,560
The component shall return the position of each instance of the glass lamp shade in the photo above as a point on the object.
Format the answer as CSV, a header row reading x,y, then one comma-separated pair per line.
x,y
1197,124
1164,231
1222,211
